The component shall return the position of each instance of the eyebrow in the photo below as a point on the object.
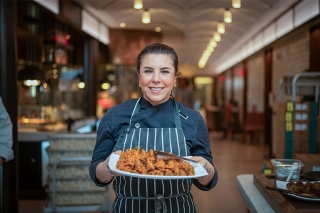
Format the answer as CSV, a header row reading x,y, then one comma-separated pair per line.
x,y
162,68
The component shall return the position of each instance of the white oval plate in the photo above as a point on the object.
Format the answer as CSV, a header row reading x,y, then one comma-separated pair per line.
x,y
283,185
198,170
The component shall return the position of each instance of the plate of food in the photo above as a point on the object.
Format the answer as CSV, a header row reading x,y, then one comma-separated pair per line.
x,y
141,164
309,191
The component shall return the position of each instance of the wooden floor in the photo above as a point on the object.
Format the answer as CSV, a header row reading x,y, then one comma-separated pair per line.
x,y
231,158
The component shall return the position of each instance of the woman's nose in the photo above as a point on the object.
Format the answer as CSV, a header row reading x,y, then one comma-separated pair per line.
x,y
156,77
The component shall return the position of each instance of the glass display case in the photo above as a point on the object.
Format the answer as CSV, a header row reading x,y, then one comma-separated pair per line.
x,y
58,97
116,84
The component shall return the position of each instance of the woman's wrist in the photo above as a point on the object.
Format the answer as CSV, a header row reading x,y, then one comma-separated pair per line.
x,y
205,180
104,174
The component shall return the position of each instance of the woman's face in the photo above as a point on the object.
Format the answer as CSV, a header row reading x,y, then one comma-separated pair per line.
x,y
157,77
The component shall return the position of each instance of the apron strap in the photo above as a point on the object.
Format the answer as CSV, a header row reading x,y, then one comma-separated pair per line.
x,y
176,113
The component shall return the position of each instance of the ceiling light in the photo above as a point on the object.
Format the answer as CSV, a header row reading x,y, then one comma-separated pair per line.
x,y
146,19
210,48
236,3
213,43
220,28
122,24
138,4
158,29
216,36
227,16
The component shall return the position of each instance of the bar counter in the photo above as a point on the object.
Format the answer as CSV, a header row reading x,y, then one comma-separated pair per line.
x,y
252,188
251,195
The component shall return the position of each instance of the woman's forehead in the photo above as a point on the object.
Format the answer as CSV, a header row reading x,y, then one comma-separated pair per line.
x,y
157,58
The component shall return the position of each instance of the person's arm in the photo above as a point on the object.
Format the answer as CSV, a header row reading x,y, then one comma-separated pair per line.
x,y
202,153
6,152
99,171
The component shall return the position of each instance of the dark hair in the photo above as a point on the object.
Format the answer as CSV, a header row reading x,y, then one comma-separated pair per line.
x,y
159,48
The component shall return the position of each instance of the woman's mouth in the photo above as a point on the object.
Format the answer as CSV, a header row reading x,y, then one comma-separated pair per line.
x,y
156,89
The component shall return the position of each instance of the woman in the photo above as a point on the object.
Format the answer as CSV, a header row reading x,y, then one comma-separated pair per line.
x,y
154,121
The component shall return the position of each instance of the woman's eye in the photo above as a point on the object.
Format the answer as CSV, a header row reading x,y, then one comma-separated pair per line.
x,y
148,71
165,71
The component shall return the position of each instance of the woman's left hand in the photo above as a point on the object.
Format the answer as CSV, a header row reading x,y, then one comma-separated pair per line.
x,y
205,180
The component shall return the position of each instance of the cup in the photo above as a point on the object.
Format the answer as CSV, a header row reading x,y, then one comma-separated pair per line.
x,y
287,169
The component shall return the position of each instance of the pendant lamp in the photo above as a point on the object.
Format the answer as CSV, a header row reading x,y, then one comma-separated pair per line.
x,y
31,75
227,16
236,3
221,28
146,19
137,4
216,36
213,43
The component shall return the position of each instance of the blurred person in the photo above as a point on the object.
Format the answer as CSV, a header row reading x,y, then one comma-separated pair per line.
x,y
6,152
228,119
185,94
132,124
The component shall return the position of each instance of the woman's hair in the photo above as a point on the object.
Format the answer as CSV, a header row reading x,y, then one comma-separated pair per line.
x,y
159,48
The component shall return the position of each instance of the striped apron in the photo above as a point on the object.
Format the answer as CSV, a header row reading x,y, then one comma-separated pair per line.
x,y
140,195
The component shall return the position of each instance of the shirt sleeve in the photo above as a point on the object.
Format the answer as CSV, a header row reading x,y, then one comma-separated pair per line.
x,y
6,141
201,147
103,148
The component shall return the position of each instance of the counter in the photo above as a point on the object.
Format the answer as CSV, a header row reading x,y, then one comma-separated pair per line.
x,y
251,195
259,199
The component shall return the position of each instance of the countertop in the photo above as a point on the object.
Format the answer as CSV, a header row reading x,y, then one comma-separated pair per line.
x,y
251,195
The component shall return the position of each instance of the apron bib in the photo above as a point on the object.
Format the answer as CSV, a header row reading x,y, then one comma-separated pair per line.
x,y
139,195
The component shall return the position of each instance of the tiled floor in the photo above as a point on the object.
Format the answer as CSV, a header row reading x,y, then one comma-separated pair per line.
x,y
231,159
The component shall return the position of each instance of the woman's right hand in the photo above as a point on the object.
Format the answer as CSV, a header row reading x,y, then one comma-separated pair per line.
x,y
103,172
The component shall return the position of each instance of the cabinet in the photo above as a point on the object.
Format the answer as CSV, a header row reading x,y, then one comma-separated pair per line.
x,y
31,170
70,188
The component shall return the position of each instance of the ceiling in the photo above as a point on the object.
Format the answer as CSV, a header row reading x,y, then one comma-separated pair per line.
x,y
188,25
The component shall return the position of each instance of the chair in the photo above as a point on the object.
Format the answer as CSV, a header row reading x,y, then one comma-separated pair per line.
x,y
254,126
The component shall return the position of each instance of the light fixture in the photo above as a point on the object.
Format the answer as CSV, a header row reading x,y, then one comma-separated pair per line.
x,y
122,24
31,75
158,29
137,4
220,28
216,36
213,43
236,3
146,19
227,16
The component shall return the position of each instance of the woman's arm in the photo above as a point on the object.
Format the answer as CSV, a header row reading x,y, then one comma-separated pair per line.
x,y
201,150
99,172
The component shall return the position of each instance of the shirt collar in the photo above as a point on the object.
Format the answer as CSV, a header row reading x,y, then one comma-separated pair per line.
x,y
144,104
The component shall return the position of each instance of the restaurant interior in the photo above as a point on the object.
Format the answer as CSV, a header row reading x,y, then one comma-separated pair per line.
x,y
65,63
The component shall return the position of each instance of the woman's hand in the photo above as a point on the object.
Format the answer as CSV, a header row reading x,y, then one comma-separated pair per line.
x,y
205,180
103,172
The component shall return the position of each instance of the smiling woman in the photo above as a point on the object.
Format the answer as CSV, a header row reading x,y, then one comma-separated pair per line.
x,y
153,121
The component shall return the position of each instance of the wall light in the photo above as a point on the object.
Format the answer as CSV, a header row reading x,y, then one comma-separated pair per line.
x,y
220,28
146,19
216,36
227,16
236,3
137,4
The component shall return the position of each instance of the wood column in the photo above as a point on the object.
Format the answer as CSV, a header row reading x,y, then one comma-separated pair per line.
x,y
91,60
8,93
245,91
267,108
315,49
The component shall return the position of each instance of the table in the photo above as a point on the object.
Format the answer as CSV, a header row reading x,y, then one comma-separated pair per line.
x,y
251,195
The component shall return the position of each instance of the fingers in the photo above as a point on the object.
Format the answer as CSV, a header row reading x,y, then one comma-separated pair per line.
x,y
118,152
107,164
